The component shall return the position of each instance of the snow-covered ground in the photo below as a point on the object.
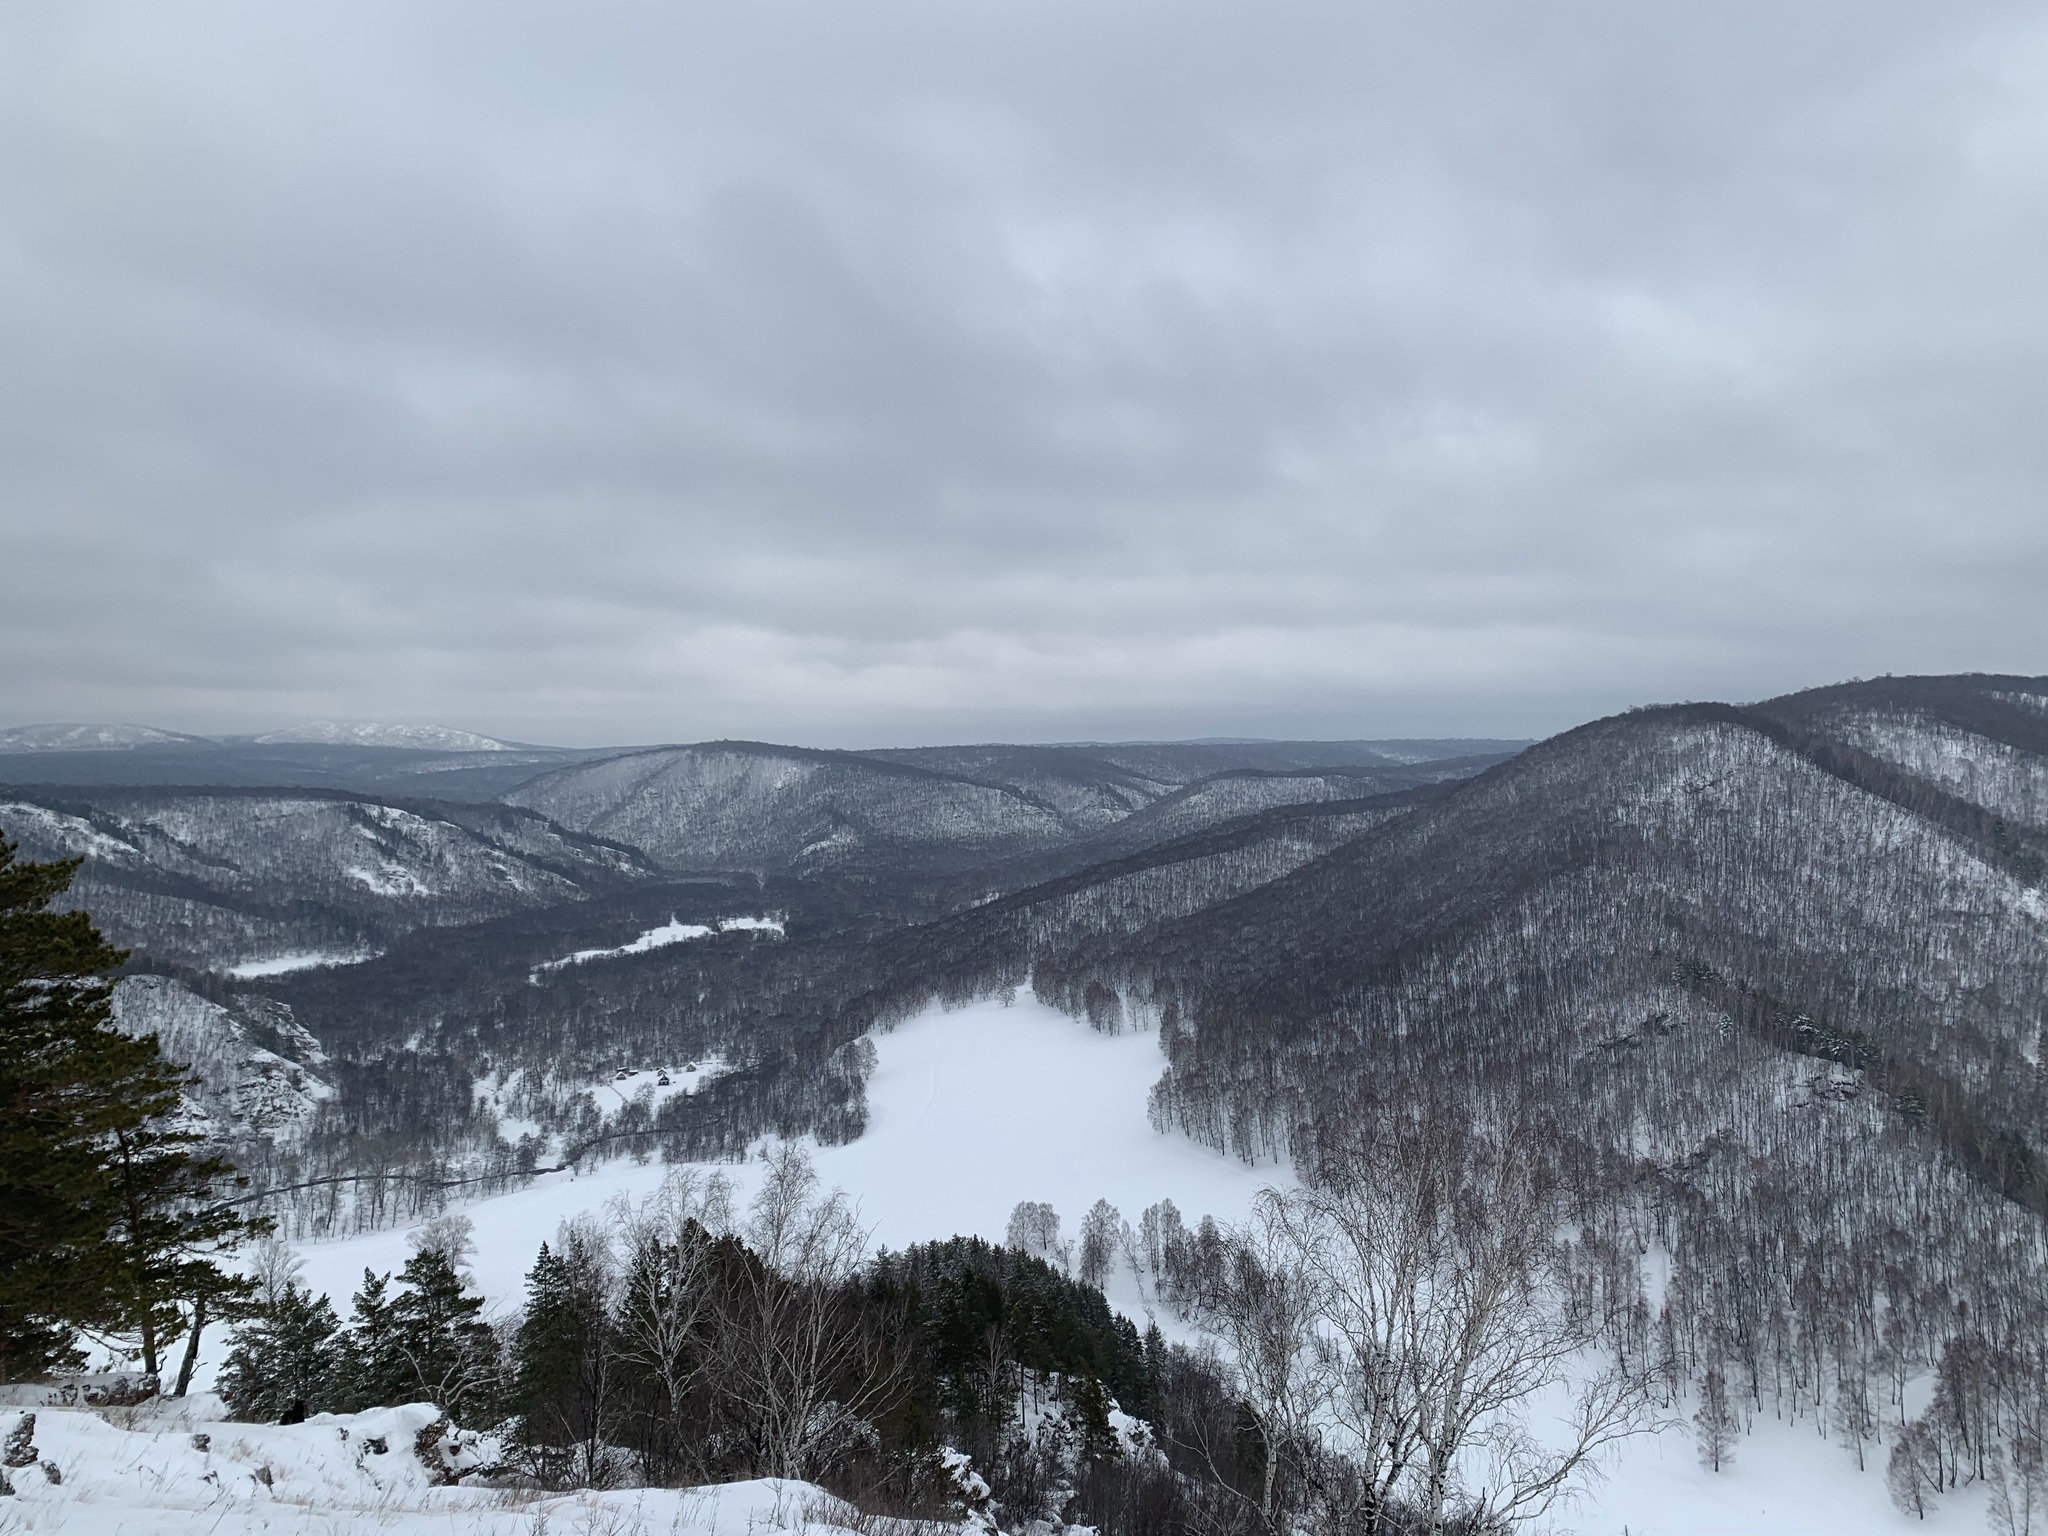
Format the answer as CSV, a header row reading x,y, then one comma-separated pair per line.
x,y
174,1471
1785,1481
298,960
656,1083
670,932
975,1109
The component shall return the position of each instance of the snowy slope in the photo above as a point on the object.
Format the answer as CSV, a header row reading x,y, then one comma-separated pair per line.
x,y
258,1068
670,932
2004,779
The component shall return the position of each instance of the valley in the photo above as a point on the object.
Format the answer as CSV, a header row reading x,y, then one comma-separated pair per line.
x,y
1763,982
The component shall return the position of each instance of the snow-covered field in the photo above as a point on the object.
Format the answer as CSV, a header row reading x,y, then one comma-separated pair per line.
x,y
969,1112
975,1109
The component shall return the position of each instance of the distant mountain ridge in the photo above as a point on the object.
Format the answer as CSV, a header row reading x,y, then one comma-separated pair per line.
x,y
62,737
428,738
219,854
115,737
442,763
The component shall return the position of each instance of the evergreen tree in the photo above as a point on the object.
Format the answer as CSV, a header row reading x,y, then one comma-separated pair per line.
x,y
373,1369
446,1353
562,1362
105,1215
165,1281
285,1356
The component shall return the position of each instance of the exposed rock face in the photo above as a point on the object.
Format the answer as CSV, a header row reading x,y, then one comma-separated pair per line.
x,y
258,1067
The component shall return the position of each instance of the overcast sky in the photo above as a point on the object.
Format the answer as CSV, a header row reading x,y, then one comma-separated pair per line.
x,y
855,372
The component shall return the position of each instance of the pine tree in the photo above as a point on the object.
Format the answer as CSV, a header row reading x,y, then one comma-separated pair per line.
x,y
285,1356
165,1233
449,1353
562,1356
106,1218
374,1372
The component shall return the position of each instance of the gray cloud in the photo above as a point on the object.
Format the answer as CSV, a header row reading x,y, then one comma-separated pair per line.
x,y
941,371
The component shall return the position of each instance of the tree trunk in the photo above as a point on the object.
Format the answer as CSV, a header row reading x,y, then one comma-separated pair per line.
x,y
1268,1474
191,1348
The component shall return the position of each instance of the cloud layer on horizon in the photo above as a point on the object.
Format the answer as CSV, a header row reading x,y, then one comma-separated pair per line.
x,y
921,371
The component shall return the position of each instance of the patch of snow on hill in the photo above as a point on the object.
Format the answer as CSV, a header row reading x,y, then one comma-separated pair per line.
x,y
774,923
297,960
1989,773
1785,1481
390,880
670,932
74,834
2033,702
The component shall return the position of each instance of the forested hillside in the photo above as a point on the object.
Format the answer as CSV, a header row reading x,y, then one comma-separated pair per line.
x,y
1782,993
214,877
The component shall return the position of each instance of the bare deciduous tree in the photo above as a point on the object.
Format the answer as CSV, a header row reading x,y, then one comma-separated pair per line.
x,y
1262,1306
1104,1237
1035,1229
804,1377
1401,1312
1714,1424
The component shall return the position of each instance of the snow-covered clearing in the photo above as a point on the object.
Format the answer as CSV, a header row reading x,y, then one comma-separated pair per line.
x,y
656,1084
969,1112
670,932
389,880
298,960
170,1470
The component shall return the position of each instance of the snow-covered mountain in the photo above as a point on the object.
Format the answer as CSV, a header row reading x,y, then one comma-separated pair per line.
x,y
89,738
1006,809
360,733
